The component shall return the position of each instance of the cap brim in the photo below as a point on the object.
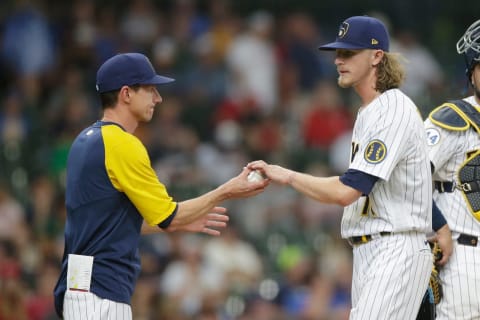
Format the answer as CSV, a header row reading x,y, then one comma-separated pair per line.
x,y
340,45
158,80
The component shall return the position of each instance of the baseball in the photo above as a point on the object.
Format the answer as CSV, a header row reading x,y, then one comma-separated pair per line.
x,y
255,176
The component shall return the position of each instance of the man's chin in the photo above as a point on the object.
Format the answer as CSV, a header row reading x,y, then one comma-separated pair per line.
x,y
147,117
342,83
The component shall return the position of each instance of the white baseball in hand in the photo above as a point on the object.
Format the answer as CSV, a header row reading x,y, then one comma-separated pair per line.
x,y
255,176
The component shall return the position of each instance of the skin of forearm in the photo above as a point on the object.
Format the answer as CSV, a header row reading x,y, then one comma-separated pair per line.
x,y
192,209
324,189
147,229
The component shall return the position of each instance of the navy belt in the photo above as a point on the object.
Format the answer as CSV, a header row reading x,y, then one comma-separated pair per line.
x,y
366,238
468,240
444,186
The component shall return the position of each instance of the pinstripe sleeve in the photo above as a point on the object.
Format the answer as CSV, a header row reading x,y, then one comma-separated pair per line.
x,y
387,132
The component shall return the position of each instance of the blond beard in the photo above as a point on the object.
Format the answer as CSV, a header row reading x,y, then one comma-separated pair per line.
x,y
343,84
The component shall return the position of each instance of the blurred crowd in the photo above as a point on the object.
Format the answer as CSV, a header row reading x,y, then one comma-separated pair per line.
x,y
247,87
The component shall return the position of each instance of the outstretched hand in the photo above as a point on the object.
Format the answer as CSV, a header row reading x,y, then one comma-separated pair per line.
x,y
206,224
240,187
275,173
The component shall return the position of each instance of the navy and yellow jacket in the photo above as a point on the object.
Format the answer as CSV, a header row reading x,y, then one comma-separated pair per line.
x,y
111,188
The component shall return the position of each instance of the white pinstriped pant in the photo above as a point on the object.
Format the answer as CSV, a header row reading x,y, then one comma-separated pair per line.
x,y
461,284
87,306
390,277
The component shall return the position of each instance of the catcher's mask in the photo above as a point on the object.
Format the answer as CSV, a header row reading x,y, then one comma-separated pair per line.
x,y
469,46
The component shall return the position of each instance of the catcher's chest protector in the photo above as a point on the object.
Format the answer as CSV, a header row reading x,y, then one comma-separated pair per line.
x,y
460,115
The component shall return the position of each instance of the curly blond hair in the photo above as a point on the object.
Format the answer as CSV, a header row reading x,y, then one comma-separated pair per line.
x,y
390,72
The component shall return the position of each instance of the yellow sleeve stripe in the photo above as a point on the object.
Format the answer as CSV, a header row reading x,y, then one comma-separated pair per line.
x,y
129,169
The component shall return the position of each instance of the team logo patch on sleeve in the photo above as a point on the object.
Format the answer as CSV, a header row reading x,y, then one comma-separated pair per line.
x,y
433,136
375,151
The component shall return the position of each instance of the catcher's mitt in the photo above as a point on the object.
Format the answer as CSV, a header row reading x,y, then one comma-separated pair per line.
x,y
434,291
435,286
437,252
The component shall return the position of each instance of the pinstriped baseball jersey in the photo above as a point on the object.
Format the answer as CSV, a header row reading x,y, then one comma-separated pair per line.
x,y
448,150
388,142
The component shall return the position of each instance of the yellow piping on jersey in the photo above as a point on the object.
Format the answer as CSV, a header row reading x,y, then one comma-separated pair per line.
x,y
465,118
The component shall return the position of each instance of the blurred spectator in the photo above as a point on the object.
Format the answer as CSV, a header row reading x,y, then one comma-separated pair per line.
x,y
424,75
108,41
15,135
28,47
14,122
299,47
10,267
187,23
176,281
75,114
298,267
12,300
42,209
335,265
252,63
39,304
236,259
313,215
144,299
327,117
204,86
81,35
27,41
225,155
71,104
258,308
139,24
174,157
12,216
263,138
224,26
12,290
339,154
293,104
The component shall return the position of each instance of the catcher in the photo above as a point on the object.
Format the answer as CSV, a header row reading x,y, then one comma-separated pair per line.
x,y
453,133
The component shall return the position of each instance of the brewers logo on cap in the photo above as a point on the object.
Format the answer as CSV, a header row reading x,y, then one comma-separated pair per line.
x,y
375,151
343,29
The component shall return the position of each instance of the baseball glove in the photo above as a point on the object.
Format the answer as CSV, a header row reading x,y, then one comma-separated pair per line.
x,y
434,291
436,286
435,283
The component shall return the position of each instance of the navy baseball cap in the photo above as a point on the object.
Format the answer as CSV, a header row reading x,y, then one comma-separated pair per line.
x,y
127,69
360,32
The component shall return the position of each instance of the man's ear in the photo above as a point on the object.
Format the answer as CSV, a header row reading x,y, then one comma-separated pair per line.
x,y
124,93
377,57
